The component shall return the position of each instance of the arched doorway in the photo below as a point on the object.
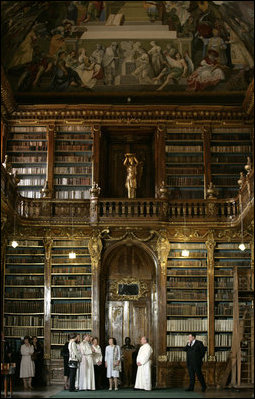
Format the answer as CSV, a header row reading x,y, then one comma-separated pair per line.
x,y
128,294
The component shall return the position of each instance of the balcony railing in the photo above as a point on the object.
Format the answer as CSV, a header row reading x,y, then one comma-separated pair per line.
x,y
117,210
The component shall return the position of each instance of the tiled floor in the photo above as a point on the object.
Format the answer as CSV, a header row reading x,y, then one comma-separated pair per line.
x,y
47,392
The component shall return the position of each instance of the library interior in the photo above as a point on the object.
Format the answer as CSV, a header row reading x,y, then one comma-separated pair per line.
x,y
127,191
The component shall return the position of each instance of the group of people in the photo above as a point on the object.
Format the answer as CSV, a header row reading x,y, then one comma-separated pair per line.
x,y
83,363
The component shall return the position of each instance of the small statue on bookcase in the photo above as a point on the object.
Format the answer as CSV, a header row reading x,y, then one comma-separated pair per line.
x,y
95,190
163,192
7,165
248,166
211,191
134,172
45,192
241,180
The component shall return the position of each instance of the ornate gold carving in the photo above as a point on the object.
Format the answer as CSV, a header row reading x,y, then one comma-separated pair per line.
x,y
95,247
162,358
48,242
211,208
115,296
210,245
211,358
163,248
130,234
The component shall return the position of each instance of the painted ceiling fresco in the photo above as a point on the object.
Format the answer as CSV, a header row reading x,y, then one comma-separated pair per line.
x,y
129,46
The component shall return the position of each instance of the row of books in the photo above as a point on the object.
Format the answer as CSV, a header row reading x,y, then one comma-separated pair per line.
x,y
30,259
222,356
231,148
23,136
19,251
20,292
66,280
60,338
79,259
31,170
27,146
184,181
192,262
184,148
29,158
181,339
179,356
226,181
180,245
70,243
223,295
78,323
86,130
181,283
30,194
187,325
28,244
72,269
237,262
23,306
70,293
73,158
224,309
72,146
181,159
64,251
183,136
223,272
71,307
234,137
73,194
186,272
24,280
226,282
67,170
23,320
223,325
194,309
186,295
31,182
24,270
184,171
227,159
17,331
75,136
223,339
28,129
192,253
86,181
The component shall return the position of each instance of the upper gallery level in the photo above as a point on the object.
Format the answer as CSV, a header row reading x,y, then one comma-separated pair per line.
x,y
63,170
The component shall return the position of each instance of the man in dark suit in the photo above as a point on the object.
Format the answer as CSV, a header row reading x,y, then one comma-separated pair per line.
x,y
195,353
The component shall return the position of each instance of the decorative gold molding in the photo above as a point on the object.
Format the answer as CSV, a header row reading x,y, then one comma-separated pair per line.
x,y
114,286
248,103
162,358
119,114
7,98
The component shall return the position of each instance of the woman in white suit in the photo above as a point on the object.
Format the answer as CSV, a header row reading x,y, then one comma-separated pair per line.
x,y
112,362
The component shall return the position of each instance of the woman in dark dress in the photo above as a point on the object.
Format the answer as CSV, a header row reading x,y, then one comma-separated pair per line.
x,y
65,355
37,357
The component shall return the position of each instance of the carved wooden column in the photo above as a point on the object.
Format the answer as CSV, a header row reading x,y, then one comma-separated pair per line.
x,y
94,205
95,248
163,248
160,164
206,134
4,132
96,154
210,245
48,189
47,306
4,242
252,314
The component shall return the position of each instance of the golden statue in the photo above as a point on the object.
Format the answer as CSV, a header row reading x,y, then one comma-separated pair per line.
x,y
131,164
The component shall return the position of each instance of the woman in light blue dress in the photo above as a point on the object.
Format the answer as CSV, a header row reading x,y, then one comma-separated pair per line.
x,y
112,362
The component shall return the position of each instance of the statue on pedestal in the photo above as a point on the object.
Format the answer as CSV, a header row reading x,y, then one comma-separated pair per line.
x,y
131,163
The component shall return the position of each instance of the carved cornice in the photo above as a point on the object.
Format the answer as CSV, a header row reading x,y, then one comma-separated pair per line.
x,y
129,115
7,98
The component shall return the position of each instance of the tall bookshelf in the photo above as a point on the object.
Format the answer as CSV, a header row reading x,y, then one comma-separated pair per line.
x,y
73,162
227,256
24,291
229,150
186,297
71,283
184,163
27,152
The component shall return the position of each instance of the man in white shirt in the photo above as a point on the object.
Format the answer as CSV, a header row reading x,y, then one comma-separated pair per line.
x,y
143,376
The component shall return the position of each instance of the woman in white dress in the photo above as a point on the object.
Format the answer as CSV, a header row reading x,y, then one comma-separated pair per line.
x,y
87,376
27,365
112,362
97,360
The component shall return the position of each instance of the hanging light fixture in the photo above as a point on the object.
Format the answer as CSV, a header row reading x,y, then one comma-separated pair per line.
x,y
241,246
185,252
72,254
14,243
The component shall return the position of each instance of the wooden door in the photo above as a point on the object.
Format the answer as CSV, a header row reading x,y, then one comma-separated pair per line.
x,y
128,319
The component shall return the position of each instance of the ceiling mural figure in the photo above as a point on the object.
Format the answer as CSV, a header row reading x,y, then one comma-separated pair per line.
x,y
107,46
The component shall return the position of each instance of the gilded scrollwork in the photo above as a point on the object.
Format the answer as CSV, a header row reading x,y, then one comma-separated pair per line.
x,y
95,247
114,295
163,248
